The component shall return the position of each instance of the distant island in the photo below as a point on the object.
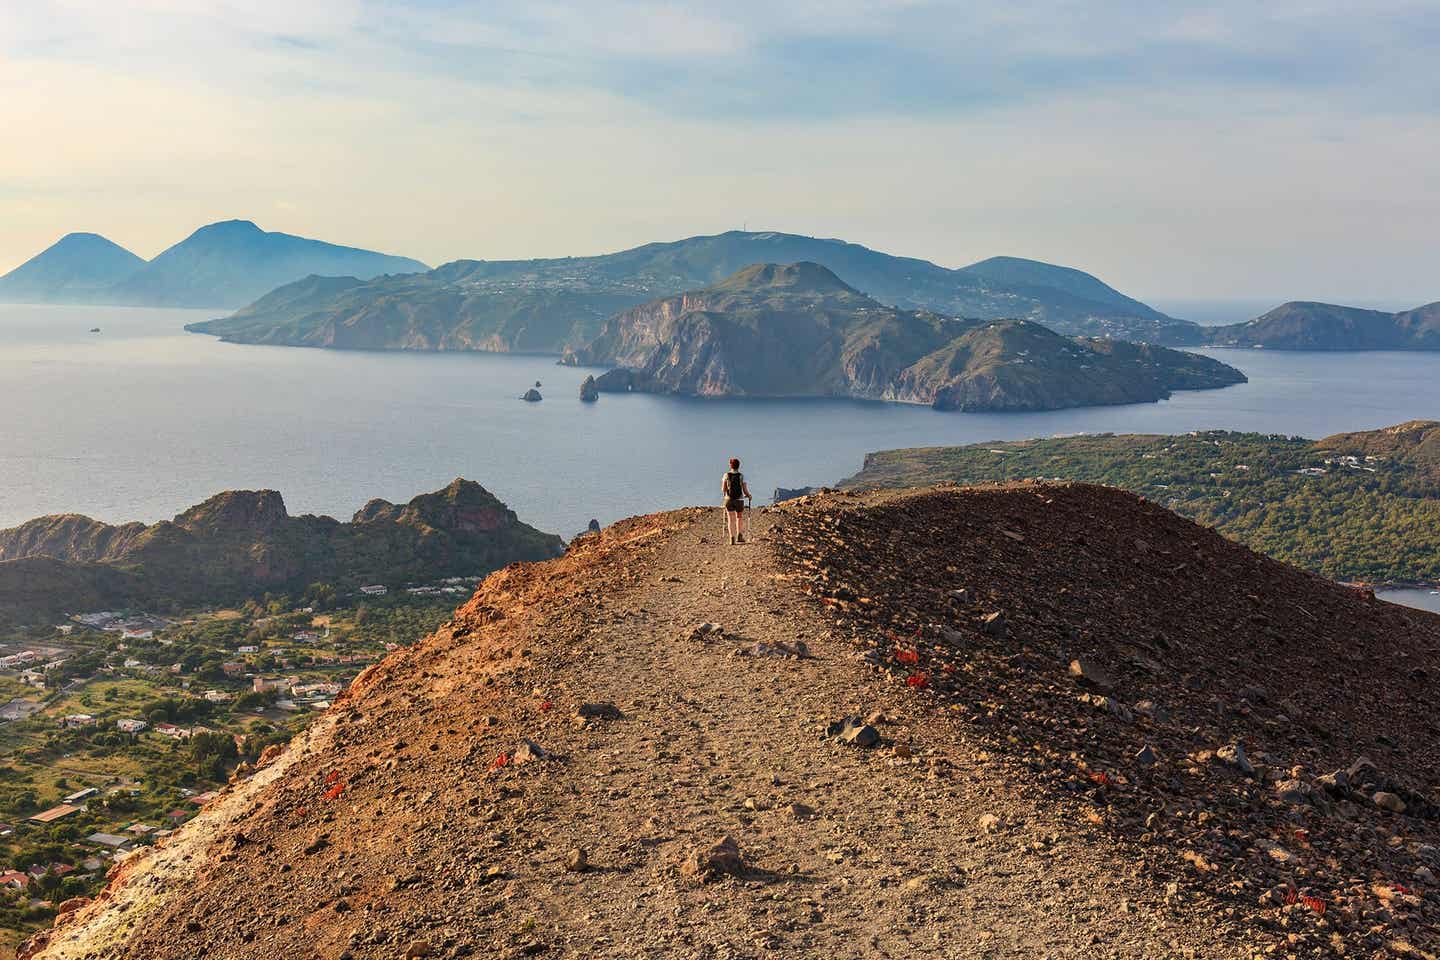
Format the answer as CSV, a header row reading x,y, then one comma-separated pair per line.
x,y
1355,506
224,264
243,543
547,306
798,330
1303,325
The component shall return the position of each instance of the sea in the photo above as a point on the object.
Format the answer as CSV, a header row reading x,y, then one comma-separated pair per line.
x,y
119,414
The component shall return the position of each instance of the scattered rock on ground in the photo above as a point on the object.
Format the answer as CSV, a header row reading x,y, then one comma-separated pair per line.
x,y
1091,674
854,731
710,863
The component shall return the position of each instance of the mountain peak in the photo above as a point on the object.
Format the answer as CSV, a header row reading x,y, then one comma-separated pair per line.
x,y
228,230
233,262
804,276
237,509
234,225
82,236
75,268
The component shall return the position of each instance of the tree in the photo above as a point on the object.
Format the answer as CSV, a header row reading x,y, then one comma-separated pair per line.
x,y
211,752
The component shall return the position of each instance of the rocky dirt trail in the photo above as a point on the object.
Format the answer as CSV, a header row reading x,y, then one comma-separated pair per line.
x,y
906,848
573,767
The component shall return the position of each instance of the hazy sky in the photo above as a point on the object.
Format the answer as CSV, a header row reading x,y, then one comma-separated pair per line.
x,y
1241,149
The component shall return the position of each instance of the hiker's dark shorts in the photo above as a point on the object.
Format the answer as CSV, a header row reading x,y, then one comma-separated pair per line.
x,y
735,506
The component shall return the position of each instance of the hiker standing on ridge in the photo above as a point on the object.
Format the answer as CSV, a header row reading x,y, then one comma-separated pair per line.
x,y
736,495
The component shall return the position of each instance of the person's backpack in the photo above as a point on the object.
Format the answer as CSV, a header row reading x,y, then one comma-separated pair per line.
x,y
735,485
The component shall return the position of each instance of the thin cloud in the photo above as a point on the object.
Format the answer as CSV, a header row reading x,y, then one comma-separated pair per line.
x,y
1167,147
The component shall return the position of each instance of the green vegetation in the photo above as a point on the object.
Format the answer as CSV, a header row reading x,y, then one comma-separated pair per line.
x,y
1322,506
192,675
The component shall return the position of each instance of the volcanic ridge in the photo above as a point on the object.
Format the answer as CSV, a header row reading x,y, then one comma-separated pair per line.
x,y
1009,721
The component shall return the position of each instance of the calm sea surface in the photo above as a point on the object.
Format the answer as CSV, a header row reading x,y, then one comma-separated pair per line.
x,y
141,420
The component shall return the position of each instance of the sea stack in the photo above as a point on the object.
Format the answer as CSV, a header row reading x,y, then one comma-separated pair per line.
x,y
532,396
589,393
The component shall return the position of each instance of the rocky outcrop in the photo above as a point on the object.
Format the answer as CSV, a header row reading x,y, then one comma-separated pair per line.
x,y
243,542
797,330
531,396
589,393
618,380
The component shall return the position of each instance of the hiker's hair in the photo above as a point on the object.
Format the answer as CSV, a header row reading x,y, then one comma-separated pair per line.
x,y
734,463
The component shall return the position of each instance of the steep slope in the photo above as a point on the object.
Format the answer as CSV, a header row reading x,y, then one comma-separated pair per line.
x,y
242,543
797,330
1301,325
548,305
1006,810
77,268
233,262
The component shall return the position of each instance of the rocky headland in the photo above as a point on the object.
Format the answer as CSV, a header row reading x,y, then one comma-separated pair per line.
x,y
798,330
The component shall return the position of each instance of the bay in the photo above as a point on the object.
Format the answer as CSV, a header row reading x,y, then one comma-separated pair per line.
x,y
141,420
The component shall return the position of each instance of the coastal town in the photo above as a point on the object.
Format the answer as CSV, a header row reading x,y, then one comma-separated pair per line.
x,y
117,726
